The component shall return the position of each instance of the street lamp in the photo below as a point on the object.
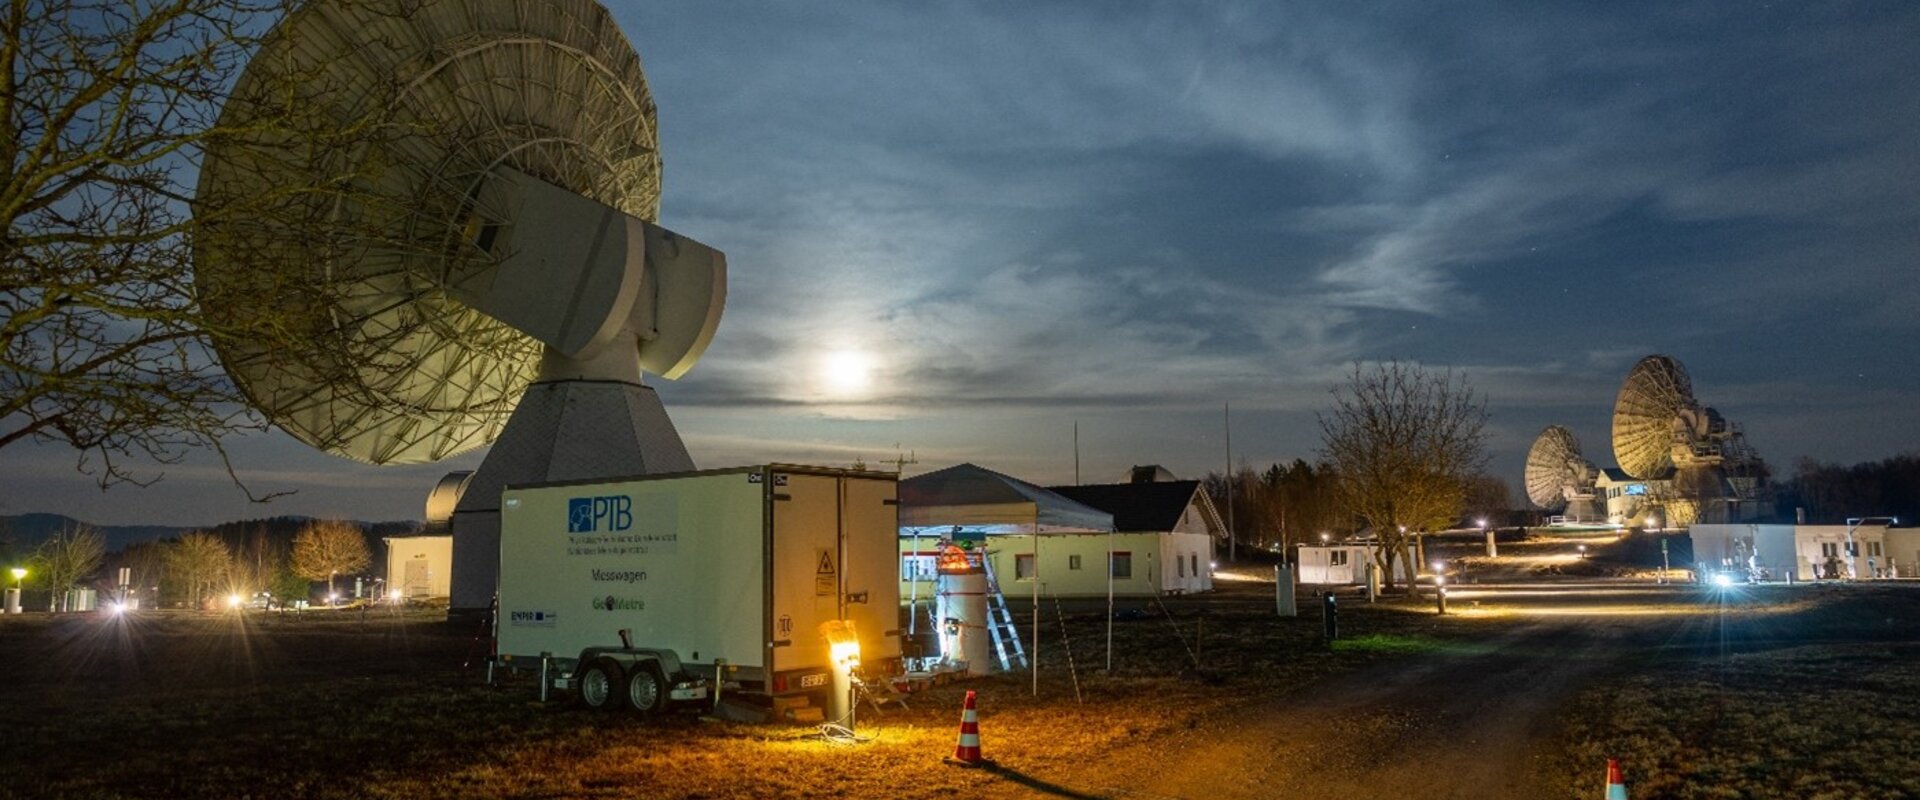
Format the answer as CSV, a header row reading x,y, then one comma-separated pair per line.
x,y
19,575
1325,537
1583,551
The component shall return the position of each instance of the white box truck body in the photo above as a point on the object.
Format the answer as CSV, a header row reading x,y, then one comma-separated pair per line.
x,y
738,566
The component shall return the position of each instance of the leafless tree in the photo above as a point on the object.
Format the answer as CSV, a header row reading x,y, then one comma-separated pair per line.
x,y
202,564
67,558
106,107
1488,498
328,547
1403,442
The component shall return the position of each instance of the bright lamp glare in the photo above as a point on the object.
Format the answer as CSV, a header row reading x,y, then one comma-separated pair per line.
x,y
1722,579
845,653
117,608
234,600
394,595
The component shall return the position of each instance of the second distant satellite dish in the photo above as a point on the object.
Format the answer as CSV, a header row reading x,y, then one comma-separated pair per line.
x,y
422,201
1556,472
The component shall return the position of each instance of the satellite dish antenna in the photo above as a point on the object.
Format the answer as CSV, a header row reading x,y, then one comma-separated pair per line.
x,y
1656,392
1696,462
1558,477
434,228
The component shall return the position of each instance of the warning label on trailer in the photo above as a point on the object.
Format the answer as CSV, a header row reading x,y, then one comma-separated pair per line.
x,y
826,578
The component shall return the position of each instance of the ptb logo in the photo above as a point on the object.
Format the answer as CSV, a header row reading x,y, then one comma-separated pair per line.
x,y
594,514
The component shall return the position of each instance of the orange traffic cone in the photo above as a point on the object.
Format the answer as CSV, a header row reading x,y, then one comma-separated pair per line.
x,y
967,752
1616,786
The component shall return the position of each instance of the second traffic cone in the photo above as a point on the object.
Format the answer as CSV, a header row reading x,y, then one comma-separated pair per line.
x,y
967,752
1616,786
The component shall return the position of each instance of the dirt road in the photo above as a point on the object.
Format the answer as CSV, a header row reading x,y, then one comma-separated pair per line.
x,y
1458,722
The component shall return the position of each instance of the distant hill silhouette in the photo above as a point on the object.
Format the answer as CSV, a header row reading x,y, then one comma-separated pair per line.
x,y
27,531
22,533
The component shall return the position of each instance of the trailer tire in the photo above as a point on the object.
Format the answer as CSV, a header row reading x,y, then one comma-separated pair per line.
x,y
646,689
601,684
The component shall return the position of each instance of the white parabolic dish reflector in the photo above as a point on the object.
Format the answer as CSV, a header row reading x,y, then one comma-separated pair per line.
x,y
1656,390
363,280
1553,464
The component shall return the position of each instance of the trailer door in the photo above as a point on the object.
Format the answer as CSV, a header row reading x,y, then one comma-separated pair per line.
x,y
806,575
871,574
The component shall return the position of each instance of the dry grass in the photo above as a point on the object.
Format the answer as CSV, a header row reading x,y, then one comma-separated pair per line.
x,y
186,706
1825,721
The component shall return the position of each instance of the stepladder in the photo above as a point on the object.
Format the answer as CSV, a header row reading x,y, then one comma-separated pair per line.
x,y
1006,640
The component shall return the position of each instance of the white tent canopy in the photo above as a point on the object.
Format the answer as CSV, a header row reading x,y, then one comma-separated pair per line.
x,y
974,497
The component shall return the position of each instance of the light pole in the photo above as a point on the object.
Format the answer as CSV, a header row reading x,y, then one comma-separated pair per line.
x,y
1493,550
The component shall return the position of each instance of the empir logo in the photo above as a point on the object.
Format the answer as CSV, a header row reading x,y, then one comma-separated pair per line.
x,y
537,619
614,603
594,514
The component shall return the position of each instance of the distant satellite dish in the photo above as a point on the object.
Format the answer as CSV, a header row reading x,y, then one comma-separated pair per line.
x,y
429,205
1556,472
1656,392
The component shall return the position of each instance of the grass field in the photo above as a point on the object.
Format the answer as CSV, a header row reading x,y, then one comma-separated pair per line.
x,y
1761,716
182,705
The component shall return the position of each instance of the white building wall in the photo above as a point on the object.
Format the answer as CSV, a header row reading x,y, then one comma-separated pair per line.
x,y
420,566
1343,564
1074,564
1808,551
1903,551
1188,560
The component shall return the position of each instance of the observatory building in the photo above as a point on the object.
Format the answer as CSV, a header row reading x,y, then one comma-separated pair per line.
x,y
449,239
1679,462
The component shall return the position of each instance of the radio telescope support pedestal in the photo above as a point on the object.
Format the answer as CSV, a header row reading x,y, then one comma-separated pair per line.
x,y
562,430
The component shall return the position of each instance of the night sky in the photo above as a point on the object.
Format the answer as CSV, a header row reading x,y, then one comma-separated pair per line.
x,y
1012,216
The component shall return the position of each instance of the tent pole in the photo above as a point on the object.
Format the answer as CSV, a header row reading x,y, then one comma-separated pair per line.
x,y
913,585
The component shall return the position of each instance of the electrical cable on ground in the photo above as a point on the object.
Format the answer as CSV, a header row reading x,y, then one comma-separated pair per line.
x,y
834,732
1177,636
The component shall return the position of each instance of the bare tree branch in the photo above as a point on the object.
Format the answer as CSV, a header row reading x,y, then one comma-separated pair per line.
x,y
1403,443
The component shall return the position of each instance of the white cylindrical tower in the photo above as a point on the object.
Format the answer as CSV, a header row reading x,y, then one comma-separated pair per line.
x,y
961,606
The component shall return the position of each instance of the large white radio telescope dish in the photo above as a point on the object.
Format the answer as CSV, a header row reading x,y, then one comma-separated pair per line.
x,y
1655,393
436,195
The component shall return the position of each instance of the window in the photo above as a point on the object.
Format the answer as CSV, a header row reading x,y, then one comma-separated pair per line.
x,y
1195,560
1873,549
1023,566
1179,567
1337,558
1830,549
1122,564
1073,562
916,568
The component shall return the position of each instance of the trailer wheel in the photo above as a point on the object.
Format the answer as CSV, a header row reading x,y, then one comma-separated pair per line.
x,y
646,689
599,684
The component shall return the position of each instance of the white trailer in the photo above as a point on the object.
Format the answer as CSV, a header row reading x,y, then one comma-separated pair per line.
x,y
637,592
